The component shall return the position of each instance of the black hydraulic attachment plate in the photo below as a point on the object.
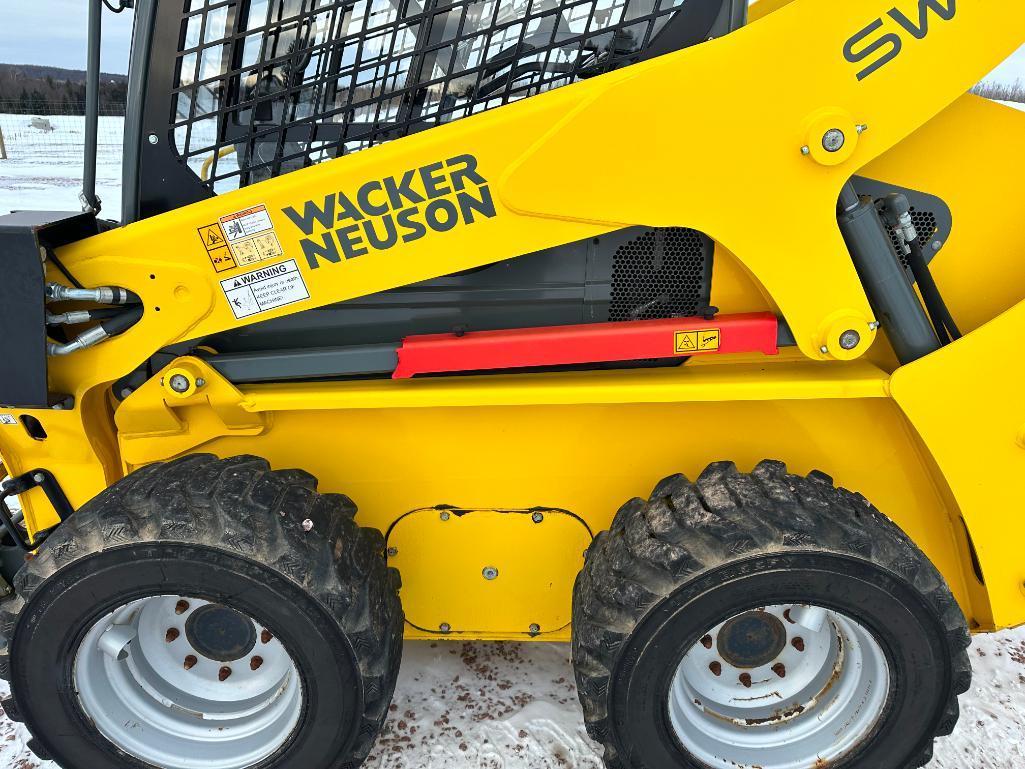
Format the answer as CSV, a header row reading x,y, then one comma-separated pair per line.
x,y
25,237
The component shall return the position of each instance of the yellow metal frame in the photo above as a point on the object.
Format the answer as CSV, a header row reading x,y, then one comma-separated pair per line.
x,y
936,445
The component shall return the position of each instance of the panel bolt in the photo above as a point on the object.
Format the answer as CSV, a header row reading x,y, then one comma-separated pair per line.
x,y
200,382
39,477
874,325
537,517
805,150
307,524
824,350
126,392
444,515
850,339
834,140
937,245
223,673
172,635
392,552
444,627
153,139
534,628
255,662
861,128
181,607
490,572
179,383
190,662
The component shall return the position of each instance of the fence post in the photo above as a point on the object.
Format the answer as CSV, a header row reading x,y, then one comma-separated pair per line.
x,y
3,147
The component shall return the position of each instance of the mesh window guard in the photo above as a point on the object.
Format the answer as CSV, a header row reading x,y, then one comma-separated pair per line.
x,y
264,87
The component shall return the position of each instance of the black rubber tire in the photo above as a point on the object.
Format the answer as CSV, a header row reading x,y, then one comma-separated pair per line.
x,y
224,530
694,554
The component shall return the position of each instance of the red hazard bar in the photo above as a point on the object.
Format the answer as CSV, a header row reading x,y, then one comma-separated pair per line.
x,y
589,343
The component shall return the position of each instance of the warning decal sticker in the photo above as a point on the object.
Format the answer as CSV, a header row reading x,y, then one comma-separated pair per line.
x,y
217,247
8,419
688,342
250,236
265,289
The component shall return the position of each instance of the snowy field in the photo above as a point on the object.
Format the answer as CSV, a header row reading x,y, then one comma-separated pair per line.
x,y
43,170
469,705
514,706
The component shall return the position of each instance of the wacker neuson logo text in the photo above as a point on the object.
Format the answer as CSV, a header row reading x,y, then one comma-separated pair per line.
x,y
382,213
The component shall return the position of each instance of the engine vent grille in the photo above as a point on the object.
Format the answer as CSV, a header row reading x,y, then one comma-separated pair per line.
x,y
662,273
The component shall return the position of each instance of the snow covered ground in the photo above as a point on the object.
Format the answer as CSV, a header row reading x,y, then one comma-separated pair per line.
x,y
43,170
514,706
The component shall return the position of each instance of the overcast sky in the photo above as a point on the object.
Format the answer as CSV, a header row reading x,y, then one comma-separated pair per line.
x,y
53,32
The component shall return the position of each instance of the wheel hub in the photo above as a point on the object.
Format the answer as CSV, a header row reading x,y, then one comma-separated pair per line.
x,y
751,640
220,633
779,687
180,682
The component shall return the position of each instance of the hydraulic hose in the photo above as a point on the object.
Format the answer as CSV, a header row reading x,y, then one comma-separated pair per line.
x,y
940,315
80,316
55,292
113,326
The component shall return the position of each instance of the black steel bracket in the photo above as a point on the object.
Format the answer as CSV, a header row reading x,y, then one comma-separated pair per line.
x,y
39,478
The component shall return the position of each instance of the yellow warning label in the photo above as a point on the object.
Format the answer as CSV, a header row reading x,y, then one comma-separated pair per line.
x,y
211,235
705,340
257,248
216,247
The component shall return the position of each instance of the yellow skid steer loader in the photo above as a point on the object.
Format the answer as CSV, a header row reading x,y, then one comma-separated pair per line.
x,y
487,269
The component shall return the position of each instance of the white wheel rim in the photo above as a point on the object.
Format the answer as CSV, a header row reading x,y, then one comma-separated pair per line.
x,y
801,705
143,679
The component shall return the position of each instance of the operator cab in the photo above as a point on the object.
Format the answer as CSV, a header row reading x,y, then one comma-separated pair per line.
x,y
257,88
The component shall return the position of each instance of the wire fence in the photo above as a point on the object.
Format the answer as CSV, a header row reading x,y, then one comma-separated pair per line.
x,y
56,132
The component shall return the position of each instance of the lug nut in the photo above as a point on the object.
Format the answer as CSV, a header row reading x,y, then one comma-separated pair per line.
x,y
707,642
255,663
780,669
716,668
190,662
798,643
172,635
265,636
745,679
223,673
181,607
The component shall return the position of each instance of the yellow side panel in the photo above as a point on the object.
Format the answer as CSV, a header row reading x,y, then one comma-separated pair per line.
x,y
586,443
967,402
506,573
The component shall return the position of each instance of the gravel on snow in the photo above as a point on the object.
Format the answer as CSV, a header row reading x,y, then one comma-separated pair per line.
x,y
514,706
